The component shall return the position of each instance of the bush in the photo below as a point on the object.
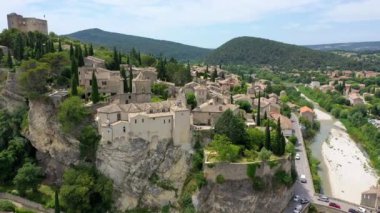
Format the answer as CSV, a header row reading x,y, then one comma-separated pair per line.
x,y
200,179
220,179
293,139
251,170
72,113
258,184
283,177
264,154
7,206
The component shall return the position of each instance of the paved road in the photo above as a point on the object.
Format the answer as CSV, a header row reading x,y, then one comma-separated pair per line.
x,y
304,190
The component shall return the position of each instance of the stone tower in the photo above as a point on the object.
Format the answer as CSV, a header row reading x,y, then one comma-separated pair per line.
x,y
16,21
141,88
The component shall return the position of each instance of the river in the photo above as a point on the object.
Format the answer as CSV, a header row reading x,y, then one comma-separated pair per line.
x,y
344,168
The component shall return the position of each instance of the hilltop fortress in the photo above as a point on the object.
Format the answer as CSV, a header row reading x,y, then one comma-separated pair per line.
x,y
16,21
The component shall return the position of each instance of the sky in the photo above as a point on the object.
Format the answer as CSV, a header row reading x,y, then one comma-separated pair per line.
x,y
210,23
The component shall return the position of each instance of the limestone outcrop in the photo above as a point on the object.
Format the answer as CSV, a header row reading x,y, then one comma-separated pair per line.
x,y
240,197
144,173
55,150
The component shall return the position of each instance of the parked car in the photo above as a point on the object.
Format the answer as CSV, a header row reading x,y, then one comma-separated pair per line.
x,y
323,198
332,204
296,198
298,208
304,201
361,209
298,156
353,211
303,179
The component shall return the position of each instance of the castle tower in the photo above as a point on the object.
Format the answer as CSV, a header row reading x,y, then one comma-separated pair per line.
x,y
16,21
141,87
181,126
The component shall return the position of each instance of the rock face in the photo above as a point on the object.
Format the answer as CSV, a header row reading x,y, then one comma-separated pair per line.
x,y
55,150
144,173
10,97
238,196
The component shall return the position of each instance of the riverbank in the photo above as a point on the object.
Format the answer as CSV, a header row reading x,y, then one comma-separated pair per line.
x,y
349,171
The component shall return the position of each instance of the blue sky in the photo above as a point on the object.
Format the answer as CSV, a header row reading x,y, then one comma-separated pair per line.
x,y
210,23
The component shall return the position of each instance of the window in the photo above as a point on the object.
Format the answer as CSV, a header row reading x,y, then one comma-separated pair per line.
x,y
129,97
169,121
142,120
104,83
164,121
135,121
118,116
123,128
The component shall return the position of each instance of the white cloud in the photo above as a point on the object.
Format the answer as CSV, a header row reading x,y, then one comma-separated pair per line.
x,y
353,11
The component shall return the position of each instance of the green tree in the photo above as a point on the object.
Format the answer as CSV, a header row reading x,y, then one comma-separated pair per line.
x,y
71,51
267,144
91,50
33,72
256,138
244,105
94,89
225,149
85,190
233,127
59,46
191,100
89,139
9,60
258,112
214,75
160,90
130,76
72,113
74,88
125,79
85,51
80,59
28,177
265,154
57,207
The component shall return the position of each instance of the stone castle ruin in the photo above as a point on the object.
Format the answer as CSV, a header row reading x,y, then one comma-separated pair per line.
x,y
16,21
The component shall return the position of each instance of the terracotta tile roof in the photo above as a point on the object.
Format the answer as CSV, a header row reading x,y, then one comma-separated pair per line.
x,y
305,109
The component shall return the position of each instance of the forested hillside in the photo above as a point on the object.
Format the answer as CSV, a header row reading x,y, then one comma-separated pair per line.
x,y
125,43
264,52
351,46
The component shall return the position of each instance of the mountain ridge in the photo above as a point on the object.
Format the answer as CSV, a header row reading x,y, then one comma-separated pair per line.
x,y
347,46
146,45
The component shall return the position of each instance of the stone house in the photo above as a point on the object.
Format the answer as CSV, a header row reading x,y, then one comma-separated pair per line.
x,y
355,99
109,82
201,94
307,113
153,122
141,91
371,198
91,61
150,73
208,113
286,123
266,105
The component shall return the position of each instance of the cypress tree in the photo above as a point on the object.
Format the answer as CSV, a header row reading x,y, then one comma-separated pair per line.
x,y
265,115
71,50
188,76
277,146
94,89
80,56
130,78
19,47
258,112
9,60
267,144
231,98
128,61
51,48
91,50
74,84
60,46
139,58
85,51
214,75
57,208
74,71
125,80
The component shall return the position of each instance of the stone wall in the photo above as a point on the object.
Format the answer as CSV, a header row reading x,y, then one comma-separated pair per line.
x,y
238,171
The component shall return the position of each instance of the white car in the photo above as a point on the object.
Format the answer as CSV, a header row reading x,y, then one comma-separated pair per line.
x,y
296,198
361,209
303,179
298,156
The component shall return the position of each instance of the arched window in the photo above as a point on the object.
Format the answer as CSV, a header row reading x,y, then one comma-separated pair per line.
x,y
123,128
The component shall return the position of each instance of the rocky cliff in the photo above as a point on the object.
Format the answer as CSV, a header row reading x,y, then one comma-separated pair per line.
x,y
55,150
144,173
240,197
10,97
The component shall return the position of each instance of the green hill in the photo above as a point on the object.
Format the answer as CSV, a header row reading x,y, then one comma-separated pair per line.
x,y
261,52
145,45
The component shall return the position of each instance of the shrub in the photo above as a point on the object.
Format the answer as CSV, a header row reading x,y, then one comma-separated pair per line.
x,y
293,139
7,206
264,154
200,179
220,179
283,177
258,184
71,113
251,170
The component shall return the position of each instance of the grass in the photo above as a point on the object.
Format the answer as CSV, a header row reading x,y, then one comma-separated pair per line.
x,y
44,194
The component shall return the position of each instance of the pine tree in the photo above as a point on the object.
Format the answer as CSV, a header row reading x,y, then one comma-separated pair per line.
x,y
94,89
91,50
57,207
125,80
267,144
130,78
60,46
9,60
258,112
